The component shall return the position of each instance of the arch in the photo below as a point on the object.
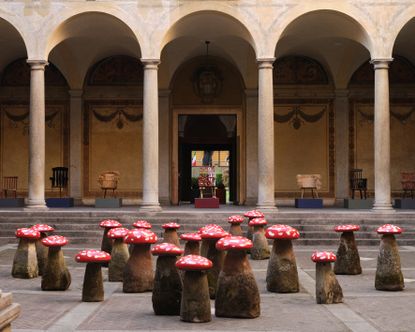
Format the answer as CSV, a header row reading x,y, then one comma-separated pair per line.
x,y
12,43
179,18
400,22
356,25
57,32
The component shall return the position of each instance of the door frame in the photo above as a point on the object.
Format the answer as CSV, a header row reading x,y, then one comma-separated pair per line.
x,y
240,150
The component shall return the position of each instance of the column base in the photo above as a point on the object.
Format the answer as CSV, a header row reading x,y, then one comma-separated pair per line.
x,y
36,204
267,206
150,207
383,207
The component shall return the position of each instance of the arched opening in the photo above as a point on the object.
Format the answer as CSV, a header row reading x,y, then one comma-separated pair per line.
x,y
316,55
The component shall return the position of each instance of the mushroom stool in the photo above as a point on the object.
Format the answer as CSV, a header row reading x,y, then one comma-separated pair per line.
x,y
235,221
192,243
195,303
388,271
205,243
328,290
93,287
139,224
167,289
107,224
211,236
138,273
282,274
56,275
41,250
170,233
237,294
252,215
25,259
119,253
348,259
260,250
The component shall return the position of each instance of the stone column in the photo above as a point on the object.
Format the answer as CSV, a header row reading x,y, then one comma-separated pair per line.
x,y
266,165
383,199
37,135
341,108
75,145
150,136
164,152
251,146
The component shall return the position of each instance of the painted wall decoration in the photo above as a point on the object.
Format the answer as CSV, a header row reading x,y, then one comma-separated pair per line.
x,y
306,151
110,149
296,117
402,138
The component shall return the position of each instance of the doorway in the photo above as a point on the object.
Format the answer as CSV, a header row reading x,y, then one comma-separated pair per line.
x,y
207,144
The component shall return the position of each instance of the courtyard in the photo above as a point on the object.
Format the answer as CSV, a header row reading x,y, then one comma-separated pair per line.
x,y
364,308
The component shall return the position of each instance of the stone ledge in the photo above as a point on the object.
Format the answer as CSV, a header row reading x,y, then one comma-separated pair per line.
x,y
9,314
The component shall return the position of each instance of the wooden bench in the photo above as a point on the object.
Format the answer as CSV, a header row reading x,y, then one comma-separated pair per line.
x,y
309,182
59,178
358,182
10,185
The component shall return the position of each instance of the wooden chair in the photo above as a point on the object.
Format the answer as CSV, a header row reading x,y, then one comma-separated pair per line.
x,y
109,181
408,184
358,182
309,181
59,178
206,185
10,184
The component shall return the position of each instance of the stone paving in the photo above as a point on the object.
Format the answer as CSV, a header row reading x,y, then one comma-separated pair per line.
x,y
364,308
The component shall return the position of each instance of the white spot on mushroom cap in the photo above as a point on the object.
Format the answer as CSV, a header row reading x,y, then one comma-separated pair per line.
x,y
323,256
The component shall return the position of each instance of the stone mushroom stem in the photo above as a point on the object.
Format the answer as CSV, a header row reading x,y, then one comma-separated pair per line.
x,y
217,257
106,244
119,257
250,232
195,303
42,253
170,236
56,275
328,290
93,287
260,250
138,272
388,271
282,274
25,260
348,259
191,248
204,247
237,294
167,290
235,230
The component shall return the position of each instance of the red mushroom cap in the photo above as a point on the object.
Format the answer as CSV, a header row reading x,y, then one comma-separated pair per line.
x,y
236,219
191,237
140,236
346,228
282,232
193,263
27,233
171,225
257,222
43,228
92,256
254,214
142,224
166,249
234,243
55,241
323,257
110,223
212,231
117,233
389,229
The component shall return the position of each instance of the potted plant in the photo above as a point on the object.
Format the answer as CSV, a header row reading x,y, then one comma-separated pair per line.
x,y
220,189
194,190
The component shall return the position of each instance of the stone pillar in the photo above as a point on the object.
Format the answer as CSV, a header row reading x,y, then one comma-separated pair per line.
x,y
251,146
266,164
383,199
164,146
75,145
341,108
37,135
150,136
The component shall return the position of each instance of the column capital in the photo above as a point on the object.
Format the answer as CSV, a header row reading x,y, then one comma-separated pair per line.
x,y
381,63
150,63
37,64
76,93
265,63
